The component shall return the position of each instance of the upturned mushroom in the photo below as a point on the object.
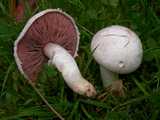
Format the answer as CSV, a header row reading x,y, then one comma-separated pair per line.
x,y
118,50
51,35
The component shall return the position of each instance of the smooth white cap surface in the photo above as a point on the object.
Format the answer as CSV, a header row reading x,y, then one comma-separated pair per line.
x,y
118,49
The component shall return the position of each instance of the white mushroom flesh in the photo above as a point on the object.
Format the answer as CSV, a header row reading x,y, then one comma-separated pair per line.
x,y
66,64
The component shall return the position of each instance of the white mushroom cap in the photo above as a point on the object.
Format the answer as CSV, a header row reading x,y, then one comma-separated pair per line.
x,y
118,49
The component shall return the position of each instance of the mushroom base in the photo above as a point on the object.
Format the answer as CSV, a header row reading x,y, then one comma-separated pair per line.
x,y
111,82
116,88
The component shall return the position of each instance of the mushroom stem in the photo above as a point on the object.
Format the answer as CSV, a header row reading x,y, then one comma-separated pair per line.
x,y
66,64
108,76
111,82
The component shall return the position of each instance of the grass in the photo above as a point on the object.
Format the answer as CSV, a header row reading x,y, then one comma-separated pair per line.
x,y
18,101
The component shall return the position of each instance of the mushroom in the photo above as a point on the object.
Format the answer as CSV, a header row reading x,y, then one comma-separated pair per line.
x,y
51,35
118,50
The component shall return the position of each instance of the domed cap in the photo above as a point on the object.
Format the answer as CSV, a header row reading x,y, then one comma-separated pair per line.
x,y
48,26
118,49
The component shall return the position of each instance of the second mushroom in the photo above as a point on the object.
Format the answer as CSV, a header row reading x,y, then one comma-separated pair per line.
x,y
118,50
51,35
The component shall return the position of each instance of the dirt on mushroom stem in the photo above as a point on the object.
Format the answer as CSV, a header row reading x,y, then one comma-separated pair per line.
x,y
116,88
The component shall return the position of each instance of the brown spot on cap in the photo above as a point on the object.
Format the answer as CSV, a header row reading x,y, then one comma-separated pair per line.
x,y
52,27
